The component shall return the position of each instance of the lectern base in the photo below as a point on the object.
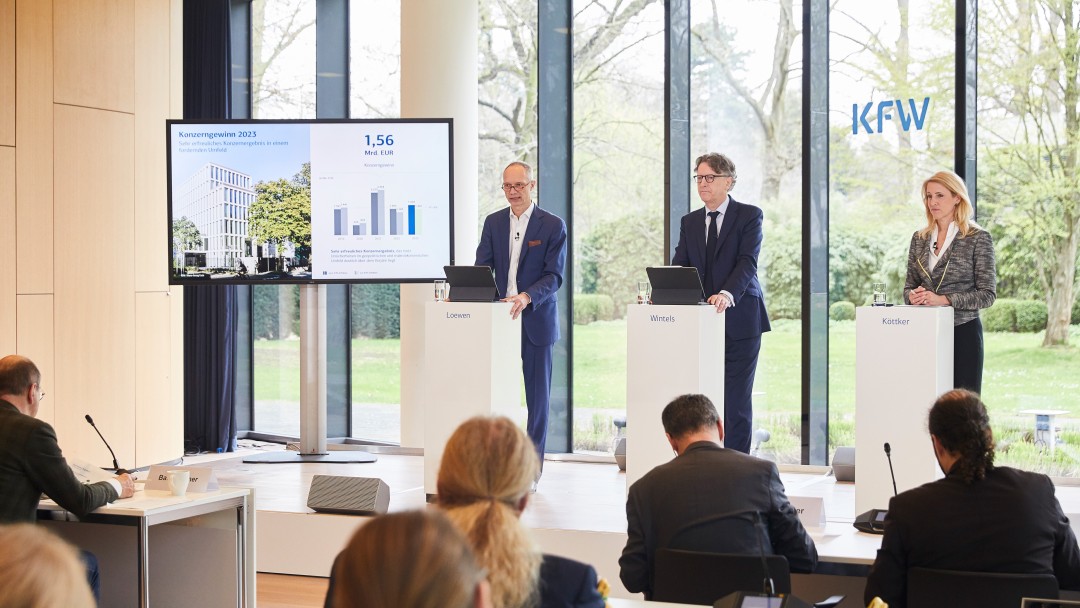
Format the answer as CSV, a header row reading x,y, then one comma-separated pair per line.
x,y
288,456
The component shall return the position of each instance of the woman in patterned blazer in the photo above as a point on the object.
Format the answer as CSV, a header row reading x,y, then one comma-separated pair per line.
x,y
951,263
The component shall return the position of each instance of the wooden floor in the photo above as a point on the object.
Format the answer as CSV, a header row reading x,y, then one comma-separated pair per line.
x,y
283,591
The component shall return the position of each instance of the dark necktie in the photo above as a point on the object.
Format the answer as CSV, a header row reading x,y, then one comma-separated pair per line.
x,y
710,253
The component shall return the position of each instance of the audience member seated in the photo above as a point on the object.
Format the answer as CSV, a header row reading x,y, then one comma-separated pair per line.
x,y
979,518
709,499
487,469
39,570
31,463
416,559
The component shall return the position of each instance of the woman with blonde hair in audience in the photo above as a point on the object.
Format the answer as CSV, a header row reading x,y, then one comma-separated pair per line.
x,y
39,570
416,559
487,470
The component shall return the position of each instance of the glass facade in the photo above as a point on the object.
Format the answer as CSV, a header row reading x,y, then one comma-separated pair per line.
x,y
892,120
891,125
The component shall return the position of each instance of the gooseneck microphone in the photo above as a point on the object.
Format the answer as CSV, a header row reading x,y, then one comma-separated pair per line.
x,y
888,454
116,465
767,585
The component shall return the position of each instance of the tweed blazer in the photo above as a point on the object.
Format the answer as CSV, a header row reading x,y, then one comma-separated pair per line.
x,y
966,273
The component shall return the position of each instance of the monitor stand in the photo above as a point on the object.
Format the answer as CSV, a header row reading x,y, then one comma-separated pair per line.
x,y
312,390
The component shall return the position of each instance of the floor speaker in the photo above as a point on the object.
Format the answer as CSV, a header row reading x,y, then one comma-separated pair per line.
x,y
843,464
348,495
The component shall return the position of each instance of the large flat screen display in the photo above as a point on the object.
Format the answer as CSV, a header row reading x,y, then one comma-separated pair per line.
x,y
310,201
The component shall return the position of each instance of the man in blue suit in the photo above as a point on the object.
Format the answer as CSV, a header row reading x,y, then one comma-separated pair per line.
x,y
722,240
526,246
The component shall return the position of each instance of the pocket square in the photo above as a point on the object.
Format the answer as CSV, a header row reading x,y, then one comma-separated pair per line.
x,y
534,243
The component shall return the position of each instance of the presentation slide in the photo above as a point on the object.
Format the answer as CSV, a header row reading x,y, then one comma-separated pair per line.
x,y
309,201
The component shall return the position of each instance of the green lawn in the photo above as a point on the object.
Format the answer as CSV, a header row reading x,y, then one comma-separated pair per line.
x,y
1019,374
376,371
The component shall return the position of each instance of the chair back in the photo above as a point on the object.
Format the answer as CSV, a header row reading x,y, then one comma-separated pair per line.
x,y
930,588
693,577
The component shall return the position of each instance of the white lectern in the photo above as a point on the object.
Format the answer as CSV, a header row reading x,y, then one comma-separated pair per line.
x,y
903,362
472,367
670,351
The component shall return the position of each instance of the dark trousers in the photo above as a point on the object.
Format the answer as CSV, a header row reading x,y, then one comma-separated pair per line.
x,y
536,368
740,366
968,356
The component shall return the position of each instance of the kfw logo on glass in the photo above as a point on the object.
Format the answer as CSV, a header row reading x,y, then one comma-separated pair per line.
x,y
913,114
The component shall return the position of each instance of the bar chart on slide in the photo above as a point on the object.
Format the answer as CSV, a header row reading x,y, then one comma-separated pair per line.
x,y
379,218
379,206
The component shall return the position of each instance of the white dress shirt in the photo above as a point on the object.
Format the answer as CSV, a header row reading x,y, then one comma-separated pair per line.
x,y
518,226
949,236
719,224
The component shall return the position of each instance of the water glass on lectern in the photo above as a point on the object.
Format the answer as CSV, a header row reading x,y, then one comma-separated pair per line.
x,y
879,294
440,290
643,292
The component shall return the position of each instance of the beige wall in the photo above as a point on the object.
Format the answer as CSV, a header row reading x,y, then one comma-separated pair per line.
x,y
85,88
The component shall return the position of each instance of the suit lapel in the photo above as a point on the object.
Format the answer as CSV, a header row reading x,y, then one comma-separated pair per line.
x,y
531,232
697,235
728,224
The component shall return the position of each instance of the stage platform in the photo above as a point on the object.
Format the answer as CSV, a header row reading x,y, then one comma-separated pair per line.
x,y
579,510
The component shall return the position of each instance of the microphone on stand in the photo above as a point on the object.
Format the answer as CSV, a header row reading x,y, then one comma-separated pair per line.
x,y
116,466
767,585
873,521
888,454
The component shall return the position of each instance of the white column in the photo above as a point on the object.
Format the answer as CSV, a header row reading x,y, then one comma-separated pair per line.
x,y
439,77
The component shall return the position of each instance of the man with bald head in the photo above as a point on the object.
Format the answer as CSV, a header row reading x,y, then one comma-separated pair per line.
x,y
31,463
526,248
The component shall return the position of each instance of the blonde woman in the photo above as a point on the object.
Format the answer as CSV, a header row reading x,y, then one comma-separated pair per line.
x,y
951,263
487,469
416,559
39,570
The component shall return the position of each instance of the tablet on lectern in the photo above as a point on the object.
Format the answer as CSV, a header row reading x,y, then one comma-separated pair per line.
x,y
471,283
675,285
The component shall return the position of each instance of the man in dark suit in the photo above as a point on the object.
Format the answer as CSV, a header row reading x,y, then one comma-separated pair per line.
x,y
526,246
708,499
722,240
30,459
979,518
31,463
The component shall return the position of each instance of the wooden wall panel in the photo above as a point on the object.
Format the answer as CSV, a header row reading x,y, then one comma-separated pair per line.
x,y
35,340
7,72
176,321
34,154
95,53
7,251
94,278
158,424
176,59
152,95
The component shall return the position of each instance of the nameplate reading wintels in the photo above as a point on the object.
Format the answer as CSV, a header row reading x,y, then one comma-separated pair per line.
x,y
202,478
662,318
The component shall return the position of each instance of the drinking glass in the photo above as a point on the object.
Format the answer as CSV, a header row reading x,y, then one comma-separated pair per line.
x,y
879,294
643,292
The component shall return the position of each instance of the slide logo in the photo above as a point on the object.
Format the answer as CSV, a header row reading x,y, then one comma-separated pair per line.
x,y
860,115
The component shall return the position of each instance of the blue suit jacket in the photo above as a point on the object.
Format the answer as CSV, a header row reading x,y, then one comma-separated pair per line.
x,y
735,266
565,583
540,267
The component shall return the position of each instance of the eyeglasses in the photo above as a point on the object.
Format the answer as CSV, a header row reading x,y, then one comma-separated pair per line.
x,y
518,186
708,178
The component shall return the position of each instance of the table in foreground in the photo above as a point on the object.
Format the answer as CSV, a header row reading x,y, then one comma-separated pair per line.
x,y
198,547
